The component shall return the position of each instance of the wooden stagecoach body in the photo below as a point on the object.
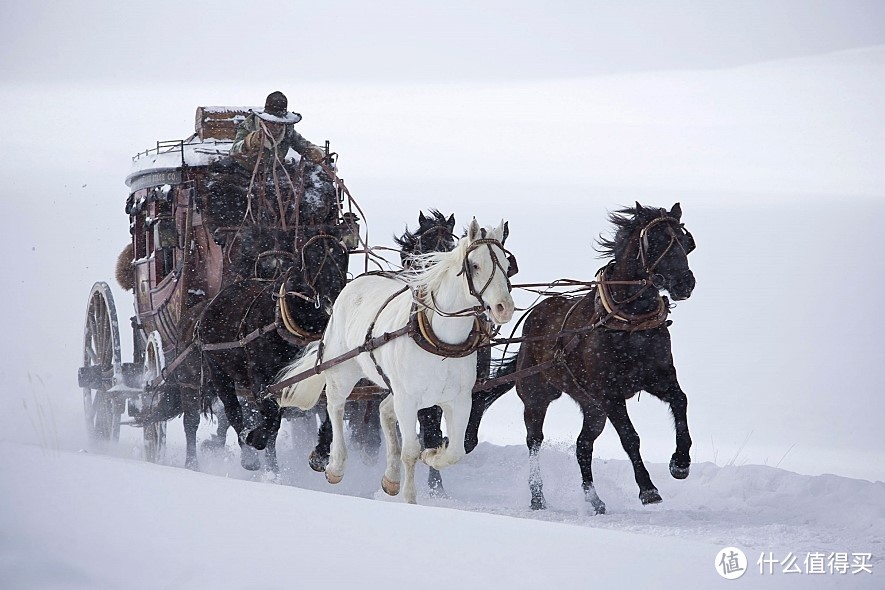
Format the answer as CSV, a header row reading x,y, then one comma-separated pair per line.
x,y
178,262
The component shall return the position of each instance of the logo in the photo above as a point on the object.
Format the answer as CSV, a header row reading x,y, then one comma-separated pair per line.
x,y
731,563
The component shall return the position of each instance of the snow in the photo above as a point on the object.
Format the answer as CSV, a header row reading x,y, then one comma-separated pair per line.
x,y
90,520
196,153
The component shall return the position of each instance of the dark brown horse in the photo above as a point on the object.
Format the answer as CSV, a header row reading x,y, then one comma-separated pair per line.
x,y
307,288
607,346
252,328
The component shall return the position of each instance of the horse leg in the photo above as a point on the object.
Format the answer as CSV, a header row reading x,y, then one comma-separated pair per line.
x,y
319,457
337,390
272,415
430,420
191,419
391,481
482,399
669,392
594,422
536,396
227,394
407,416
363,420
617,413
372,427
221,432
452,450
219,438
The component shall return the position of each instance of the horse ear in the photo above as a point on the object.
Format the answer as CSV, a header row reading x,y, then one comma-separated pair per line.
x,y
676,211
451,222
498,232
505,233
638,207
422,221
473,231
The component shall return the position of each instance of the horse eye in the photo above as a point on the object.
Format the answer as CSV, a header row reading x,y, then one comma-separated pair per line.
x,y
475,266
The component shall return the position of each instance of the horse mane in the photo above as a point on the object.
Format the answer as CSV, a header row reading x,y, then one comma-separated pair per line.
x,y
626,221
409,240
427,271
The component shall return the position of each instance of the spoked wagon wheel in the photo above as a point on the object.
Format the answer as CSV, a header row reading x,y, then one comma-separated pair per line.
x,y
153,428
101,366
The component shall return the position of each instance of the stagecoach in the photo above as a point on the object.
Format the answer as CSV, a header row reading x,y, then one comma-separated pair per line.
x,y
214,251
187,245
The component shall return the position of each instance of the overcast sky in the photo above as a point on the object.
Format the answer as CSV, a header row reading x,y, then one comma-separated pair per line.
x,y
173,41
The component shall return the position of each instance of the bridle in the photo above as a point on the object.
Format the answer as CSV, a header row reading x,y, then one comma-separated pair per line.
x,y
444,240
496,266
613,308
311,281
482,330
467,271
643,256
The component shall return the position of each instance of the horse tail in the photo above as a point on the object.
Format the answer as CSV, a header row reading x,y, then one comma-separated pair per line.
x,y
304,394
124,270
506,366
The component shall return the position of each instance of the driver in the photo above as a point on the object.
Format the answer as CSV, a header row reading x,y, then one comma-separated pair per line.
x,y
272,128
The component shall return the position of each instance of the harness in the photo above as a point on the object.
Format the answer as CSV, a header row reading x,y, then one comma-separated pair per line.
x,y
608,312
615,318
418,327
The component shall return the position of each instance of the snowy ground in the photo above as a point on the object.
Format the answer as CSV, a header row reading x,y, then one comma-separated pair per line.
x,y
102,518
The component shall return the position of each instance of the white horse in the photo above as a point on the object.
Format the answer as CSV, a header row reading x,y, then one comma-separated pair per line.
x,y
472,277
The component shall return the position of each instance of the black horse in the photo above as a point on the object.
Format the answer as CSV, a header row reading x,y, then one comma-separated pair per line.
x,y
253,327
604,348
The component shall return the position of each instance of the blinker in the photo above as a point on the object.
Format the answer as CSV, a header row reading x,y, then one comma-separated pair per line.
x,y
689,242
513,267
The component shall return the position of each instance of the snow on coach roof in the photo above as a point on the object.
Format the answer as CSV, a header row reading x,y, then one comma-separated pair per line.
x,y
162,165
214,131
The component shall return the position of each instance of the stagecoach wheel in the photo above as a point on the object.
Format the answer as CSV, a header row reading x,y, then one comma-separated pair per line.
x,y
154,430
101,368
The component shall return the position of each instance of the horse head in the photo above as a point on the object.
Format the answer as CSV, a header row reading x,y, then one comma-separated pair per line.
x,y
654,243
664,248
434,234
323,266
487,270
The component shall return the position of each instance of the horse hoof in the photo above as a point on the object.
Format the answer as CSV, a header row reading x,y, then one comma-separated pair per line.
x,y
249,459
391,488
332,478
678,472
318,462
250,465
438,491
257,439
650,496
539,504
600,509
427,455
192,464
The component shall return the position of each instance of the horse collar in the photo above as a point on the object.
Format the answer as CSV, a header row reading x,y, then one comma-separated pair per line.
x,y
619,320
293,333
423,335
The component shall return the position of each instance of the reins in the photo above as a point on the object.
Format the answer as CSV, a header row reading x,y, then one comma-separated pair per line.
x,y
418,328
